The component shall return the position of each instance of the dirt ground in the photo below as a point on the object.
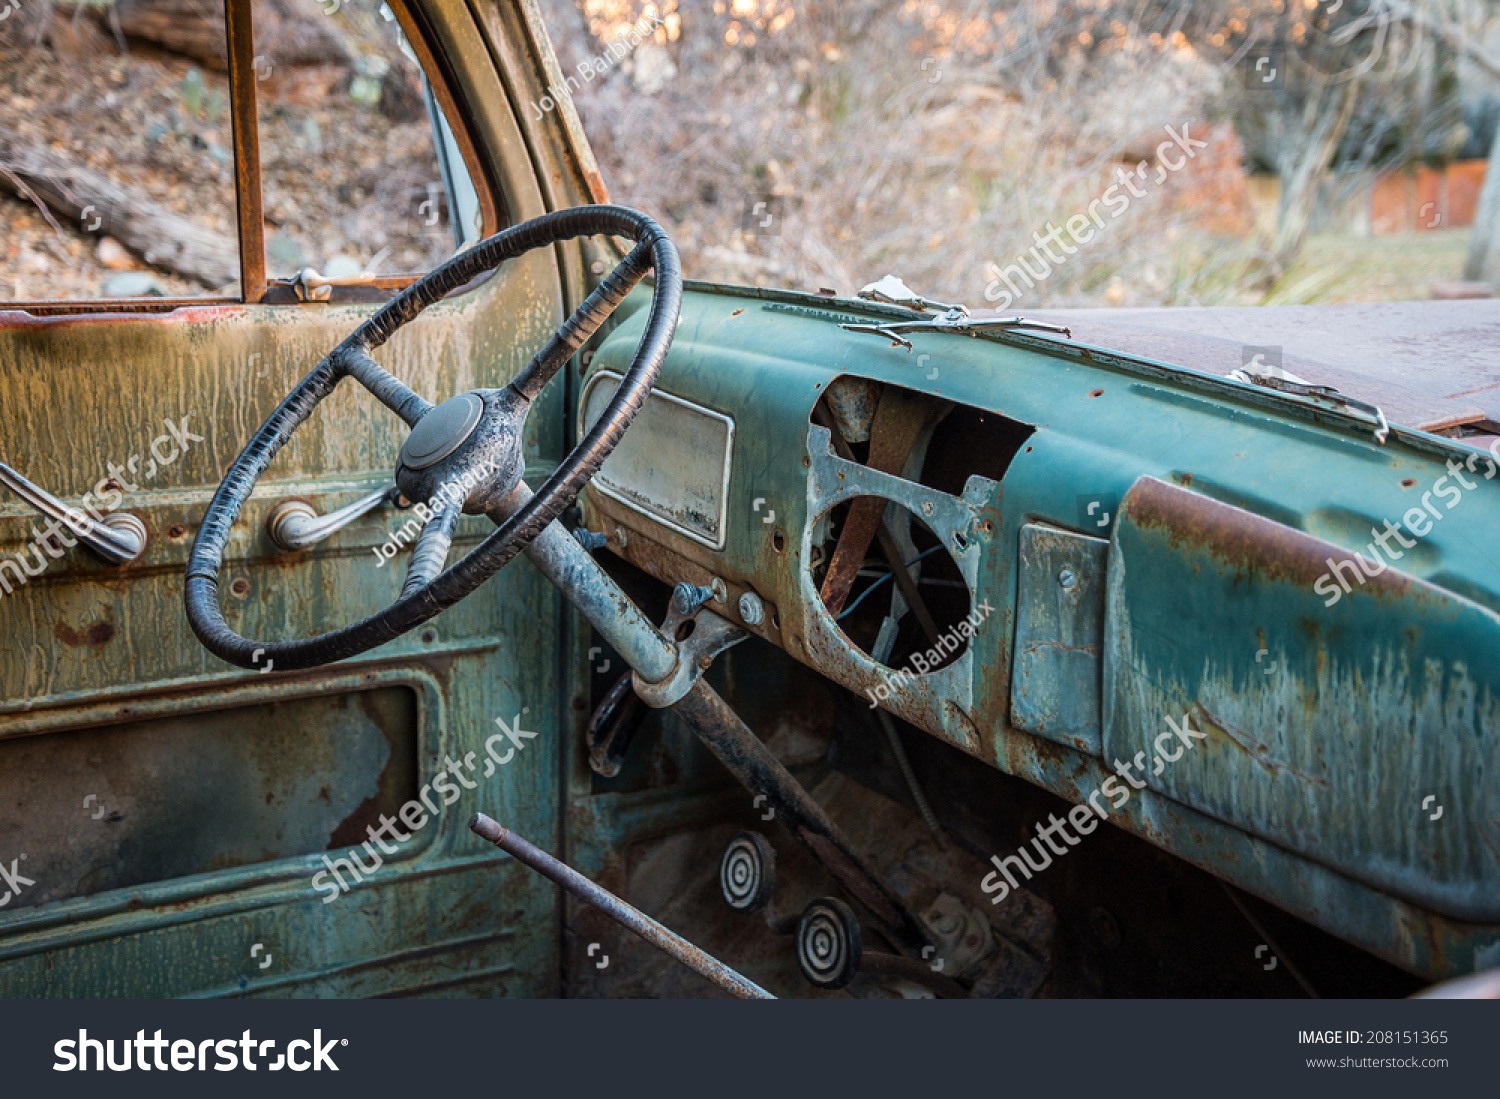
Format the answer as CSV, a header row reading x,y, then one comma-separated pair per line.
x,y
341,177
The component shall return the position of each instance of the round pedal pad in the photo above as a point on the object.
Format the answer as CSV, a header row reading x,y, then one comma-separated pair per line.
x,y
747,872
828,943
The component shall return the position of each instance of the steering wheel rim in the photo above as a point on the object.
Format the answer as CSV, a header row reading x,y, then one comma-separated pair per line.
x,y
421,601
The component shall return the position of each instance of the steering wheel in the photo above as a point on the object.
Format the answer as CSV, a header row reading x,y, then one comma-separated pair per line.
x,y
463,455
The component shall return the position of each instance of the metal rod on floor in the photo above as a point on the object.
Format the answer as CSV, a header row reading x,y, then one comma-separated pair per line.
x,y
612,906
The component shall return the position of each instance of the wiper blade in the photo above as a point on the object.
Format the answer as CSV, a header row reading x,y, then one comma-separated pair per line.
x,y
957,319
953,318
1278,379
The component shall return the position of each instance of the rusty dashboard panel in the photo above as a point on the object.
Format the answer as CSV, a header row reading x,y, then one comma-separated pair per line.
x,y
1098,612
1059,636
674,467
1344,732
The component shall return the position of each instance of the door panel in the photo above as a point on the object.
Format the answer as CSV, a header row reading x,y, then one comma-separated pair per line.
x,y
192,791
103,666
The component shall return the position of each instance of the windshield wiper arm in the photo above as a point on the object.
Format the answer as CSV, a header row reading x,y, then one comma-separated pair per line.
x,y
956,319
1281,380
953,318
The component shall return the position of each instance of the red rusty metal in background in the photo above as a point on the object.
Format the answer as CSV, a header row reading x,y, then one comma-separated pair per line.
x,y
1427,199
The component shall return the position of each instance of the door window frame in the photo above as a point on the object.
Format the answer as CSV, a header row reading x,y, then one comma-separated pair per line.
x,y
255,287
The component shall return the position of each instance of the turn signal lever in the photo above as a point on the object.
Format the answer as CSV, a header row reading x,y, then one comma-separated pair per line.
x,y
117,537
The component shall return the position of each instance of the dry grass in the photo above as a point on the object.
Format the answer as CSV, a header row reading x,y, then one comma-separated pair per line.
x,y
923,140
1345,268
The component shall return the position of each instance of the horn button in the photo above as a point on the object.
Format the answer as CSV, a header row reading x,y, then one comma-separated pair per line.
x,y
442,430
471,442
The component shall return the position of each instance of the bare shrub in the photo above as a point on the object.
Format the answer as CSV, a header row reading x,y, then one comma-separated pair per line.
x,y
925,140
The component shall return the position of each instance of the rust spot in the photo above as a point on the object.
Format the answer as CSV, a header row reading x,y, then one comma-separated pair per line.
x,y
1049,753
95,313
1408,482
97,634
396,780
595,183
736,313
1097,393
1240,539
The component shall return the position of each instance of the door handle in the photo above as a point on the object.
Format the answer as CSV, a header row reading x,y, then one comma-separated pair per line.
x,y
295,525
308,285
118,538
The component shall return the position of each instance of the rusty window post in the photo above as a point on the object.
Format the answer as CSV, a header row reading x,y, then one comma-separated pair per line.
x,y
243,113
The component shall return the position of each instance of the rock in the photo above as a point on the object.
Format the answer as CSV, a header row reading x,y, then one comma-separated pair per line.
x,y
113,255
133,284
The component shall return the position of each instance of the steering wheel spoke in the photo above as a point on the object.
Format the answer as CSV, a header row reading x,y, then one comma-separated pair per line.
x,y
578,329
431,551
388,389
466,452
